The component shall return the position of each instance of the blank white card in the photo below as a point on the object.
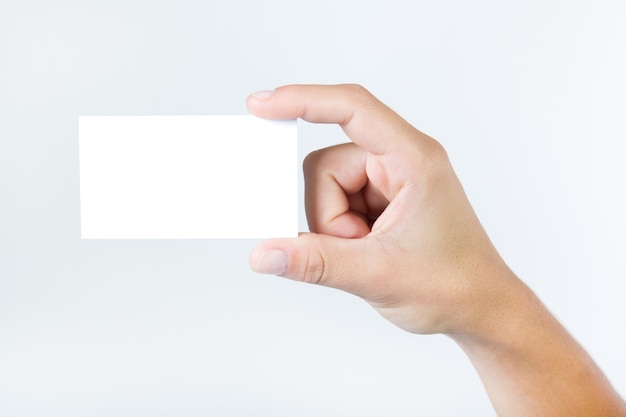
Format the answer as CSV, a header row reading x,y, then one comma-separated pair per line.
x,y
187,177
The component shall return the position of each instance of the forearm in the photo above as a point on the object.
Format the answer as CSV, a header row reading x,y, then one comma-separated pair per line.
x,y
531,366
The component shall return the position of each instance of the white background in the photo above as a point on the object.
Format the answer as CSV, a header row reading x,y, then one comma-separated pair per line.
x,y
528,98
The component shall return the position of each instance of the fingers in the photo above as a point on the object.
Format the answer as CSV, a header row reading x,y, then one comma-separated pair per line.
x,y
367,122
334,180
346,264
397,152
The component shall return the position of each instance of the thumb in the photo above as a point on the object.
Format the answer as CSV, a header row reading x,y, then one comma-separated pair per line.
x,y
320,259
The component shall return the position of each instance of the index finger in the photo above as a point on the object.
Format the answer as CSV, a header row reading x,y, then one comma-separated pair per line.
x,y
367,121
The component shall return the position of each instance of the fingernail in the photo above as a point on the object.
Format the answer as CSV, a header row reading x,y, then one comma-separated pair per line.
x,y
272,262
263,95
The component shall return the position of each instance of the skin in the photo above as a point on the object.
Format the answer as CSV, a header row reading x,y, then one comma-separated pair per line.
x,y
390,223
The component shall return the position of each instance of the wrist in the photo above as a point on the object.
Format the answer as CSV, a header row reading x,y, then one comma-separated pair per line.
x,y
527,360
499,313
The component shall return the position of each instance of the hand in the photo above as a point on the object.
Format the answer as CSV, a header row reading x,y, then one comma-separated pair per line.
x,y
390,221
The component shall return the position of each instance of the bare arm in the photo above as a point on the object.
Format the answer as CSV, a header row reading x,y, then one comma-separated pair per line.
x,y
391,223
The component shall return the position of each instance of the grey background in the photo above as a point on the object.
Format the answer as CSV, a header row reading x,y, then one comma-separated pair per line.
x,y
528,97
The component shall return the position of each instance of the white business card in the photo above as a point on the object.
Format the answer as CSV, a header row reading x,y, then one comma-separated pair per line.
x,y
187,177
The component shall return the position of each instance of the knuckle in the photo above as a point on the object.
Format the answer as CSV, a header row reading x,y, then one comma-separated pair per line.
x,y
437,153
359,94
310,163
357,90
432,159
314,268
329,160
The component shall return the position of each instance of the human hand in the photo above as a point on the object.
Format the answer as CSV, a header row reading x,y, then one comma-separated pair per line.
x,y
390,221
